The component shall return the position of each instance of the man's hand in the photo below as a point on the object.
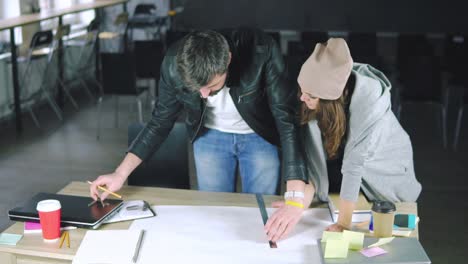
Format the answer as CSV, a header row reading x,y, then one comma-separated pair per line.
x,y
283,221
113,182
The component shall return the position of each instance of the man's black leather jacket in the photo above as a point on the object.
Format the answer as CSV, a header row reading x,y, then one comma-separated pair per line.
x,y
259,89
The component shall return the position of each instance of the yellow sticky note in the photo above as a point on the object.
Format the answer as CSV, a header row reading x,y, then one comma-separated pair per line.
x,y
336,248
381,242
356,239
331,235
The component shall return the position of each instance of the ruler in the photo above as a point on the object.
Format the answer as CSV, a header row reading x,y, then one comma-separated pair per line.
x,y
263,212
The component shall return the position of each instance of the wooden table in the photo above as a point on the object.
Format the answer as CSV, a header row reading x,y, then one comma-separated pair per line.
x,y
12,23
31,248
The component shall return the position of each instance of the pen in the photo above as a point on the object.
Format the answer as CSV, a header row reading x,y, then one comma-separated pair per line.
x,y
105,190
138,246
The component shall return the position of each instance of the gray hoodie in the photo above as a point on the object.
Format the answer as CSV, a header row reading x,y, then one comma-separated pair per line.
x,y
378,157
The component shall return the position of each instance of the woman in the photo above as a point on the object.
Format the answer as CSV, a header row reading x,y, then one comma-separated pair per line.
x,y
346,113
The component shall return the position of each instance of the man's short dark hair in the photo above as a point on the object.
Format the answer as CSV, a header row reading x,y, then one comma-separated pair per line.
x,y
201,56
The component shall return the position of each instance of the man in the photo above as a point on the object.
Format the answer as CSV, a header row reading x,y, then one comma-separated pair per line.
x,y
239,108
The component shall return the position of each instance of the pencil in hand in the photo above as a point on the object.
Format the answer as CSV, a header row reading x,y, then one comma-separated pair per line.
x,y
106,190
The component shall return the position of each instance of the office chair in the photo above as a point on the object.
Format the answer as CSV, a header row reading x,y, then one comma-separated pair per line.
x,y
421,82
310,38
168,167
82,66
43,47
456,65
173,36
363,47
119,78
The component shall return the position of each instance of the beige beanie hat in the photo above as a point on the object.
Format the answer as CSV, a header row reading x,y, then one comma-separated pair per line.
x,y
326,71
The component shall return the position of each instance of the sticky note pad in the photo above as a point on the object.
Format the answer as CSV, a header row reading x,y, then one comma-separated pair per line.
x,y
356,239
336,248
9,239
373,251
381,242
331,235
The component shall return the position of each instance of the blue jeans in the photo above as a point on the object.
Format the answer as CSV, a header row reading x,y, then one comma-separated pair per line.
x,y
218,154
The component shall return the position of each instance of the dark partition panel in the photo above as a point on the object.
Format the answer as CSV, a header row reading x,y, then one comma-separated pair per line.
x,y
314,15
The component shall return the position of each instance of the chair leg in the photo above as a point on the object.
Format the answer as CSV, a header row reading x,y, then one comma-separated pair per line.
x,y
116,111
98,127
54,105
33,116
444,126
86,88
458,127
399,112
68,94
140,110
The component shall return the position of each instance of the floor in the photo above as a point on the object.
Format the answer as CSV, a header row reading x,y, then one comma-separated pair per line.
x,y
47,159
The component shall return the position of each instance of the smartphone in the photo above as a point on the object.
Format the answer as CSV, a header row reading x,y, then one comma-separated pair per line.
x,y
405,221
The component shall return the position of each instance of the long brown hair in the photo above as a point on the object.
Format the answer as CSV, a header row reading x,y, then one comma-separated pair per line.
x,y
331,118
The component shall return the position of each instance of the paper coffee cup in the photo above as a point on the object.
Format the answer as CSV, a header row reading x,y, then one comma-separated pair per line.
x,y
383,214
49,216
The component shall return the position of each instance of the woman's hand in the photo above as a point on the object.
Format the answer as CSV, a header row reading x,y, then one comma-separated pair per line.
x,y
336,227
283,221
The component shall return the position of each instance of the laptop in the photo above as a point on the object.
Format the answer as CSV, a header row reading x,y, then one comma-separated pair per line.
x,y
400,251
76,210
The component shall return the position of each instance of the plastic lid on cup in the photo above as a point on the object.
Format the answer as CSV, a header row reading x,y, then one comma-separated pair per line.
x,y
383,207
48,205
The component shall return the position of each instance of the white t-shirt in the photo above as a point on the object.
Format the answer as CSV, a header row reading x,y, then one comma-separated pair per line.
x,y
222,114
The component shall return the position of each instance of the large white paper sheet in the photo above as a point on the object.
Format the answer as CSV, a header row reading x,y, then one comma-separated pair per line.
x,y
107,247
212,234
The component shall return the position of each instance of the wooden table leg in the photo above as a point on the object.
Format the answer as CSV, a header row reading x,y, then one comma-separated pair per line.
x,y
16,86
7,258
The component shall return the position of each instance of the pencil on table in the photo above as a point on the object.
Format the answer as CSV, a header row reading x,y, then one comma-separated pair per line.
x,y
62,238
68,239
105,190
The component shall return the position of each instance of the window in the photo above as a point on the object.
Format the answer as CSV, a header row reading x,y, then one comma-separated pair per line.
x,y
77,21
10,9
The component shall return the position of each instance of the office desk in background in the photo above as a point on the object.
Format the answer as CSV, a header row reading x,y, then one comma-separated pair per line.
x,y
31,248
11,23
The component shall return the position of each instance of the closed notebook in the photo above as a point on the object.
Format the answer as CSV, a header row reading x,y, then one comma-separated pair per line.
x,y
107,246
76,210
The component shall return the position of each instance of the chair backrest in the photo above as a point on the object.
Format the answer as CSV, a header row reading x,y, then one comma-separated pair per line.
x,y
456,57
276,36
410,45
296,48
294,64
173,36
118,74
422,79
168,167
93,25
62,31
149,55
121,19
362,44
145,9
310,38
41,39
